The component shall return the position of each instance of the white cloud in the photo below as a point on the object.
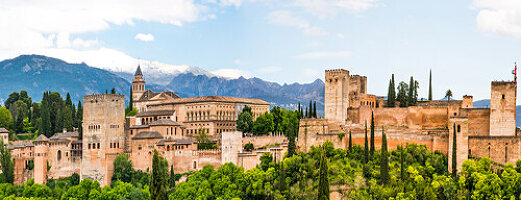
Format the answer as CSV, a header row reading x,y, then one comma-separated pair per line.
x,y
144,37
327,8
236,3
340,35
231,73
499,16
324,54
287,18
80,43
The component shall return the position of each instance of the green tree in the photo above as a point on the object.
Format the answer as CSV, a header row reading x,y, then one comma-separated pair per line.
x,y
7,163
315,115
79,119
412,95
131,100
281,183
391,93
276,112
67,121
6,120
402,94
249,147
366,146
430,85
384,160
113,91
371,150
350,142
263,125
159,179
454,153
323,185
266,161
290,124
448,94
45,126
122,169
171,179
245,120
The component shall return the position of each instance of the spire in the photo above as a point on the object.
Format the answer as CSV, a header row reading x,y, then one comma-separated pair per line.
x,y
138,71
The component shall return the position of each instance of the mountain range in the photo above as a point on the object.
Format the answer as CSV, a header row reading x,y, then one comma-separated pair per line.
x,y
37,73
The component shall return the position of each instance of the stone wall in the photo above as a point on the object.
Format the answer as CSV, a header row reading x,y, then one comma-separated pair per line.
x,y
479,120
501,149
314,132
231,145
264,140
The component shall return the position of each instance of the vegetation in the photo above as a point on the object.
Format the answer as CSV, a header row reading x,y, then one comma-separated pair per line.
x,y
245,120
249,147
391,93
52,115
7,164
405,94
448,94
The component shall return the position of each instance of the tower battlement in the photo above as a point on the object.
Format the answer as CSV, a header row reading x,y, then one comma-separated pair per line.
x,y
103,97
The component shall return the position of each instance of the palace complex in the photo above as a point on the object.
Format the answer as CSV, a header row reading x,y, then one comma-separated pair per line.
x,y
165,122
170,124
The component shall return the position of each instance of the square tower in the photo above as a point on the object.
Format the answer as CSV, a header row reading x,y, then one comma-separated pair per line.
x,y
336,95
103,135
503,108
138,84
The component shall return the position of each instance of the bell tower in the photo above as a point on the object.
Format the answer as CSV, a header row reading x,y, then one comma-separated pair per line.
x,y
138,85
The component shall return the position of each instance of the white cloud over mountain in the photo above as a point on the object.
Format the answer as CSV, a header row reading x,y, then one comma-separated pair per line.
x,y
144,37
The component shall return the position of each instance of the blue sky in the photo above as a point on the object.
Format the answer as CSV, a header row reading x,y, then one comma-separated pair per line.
x,y
467,44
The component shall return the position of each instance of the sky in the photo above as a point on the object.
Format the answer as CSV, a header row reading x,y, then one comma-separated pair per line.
x,y
466,43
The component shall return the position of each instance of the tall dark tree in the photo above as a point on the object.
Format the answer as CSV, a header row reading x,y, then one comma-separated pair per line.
x,y
79,119
131,100
410,94
402,94
384,160
282,179
448,94
323,184
159,178
315,115
68,101
350,142
171,180
113,91
430,85
299,109
7,163
45,125
245,120
371,150
58,127
67,120
310,114
366,146
277,118
454,153
391,93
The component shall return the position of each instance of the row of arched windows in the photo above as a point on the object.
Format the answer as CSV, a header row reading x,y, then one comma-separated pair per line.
x,y
198,115
94,145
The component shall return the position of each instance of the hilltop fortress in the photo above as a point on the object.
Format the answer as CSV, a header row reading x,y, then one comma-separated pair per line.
x,y
480,132
170,124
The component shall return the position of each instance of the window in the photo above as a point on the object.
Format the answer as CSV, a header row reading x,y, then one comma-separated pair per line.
x,y
98,145
89,146
59,155
195,165
459,128
503,96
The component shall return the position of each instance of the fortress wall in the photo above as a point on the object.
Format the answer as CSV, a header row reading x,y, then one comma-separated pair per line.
x,y
207,157
314,132
441,144
391,116
434,117
501,149
479,120
394,140
264,140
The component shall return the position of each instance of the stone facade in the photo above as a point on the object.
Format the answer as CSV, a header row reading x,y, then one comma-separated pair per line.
x,y
430,123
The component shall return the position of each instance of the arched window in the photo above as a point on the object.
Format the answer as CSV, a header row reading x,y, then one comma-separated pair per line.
x,y
168,147
59,155
459,128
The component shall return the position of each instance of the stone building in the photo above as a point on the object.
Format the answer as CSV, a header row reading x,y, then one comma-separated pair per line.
x,y
165,123
479,131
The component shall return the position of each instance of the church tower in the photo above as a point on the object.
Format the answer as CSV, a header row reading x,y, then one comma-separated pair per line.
x,y
138,85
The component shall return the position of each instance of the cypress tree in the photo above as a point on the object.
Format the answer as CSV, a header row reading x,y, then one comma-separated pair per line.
x,y
67,121
171,180
59,121
131,100
430,85
410,94
384,160
350,143
315,109
391,93
323,184
366,146
45,126
292,148
79,119
113,91
371,151
159,177
310,110
454,154
68,101
282,179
